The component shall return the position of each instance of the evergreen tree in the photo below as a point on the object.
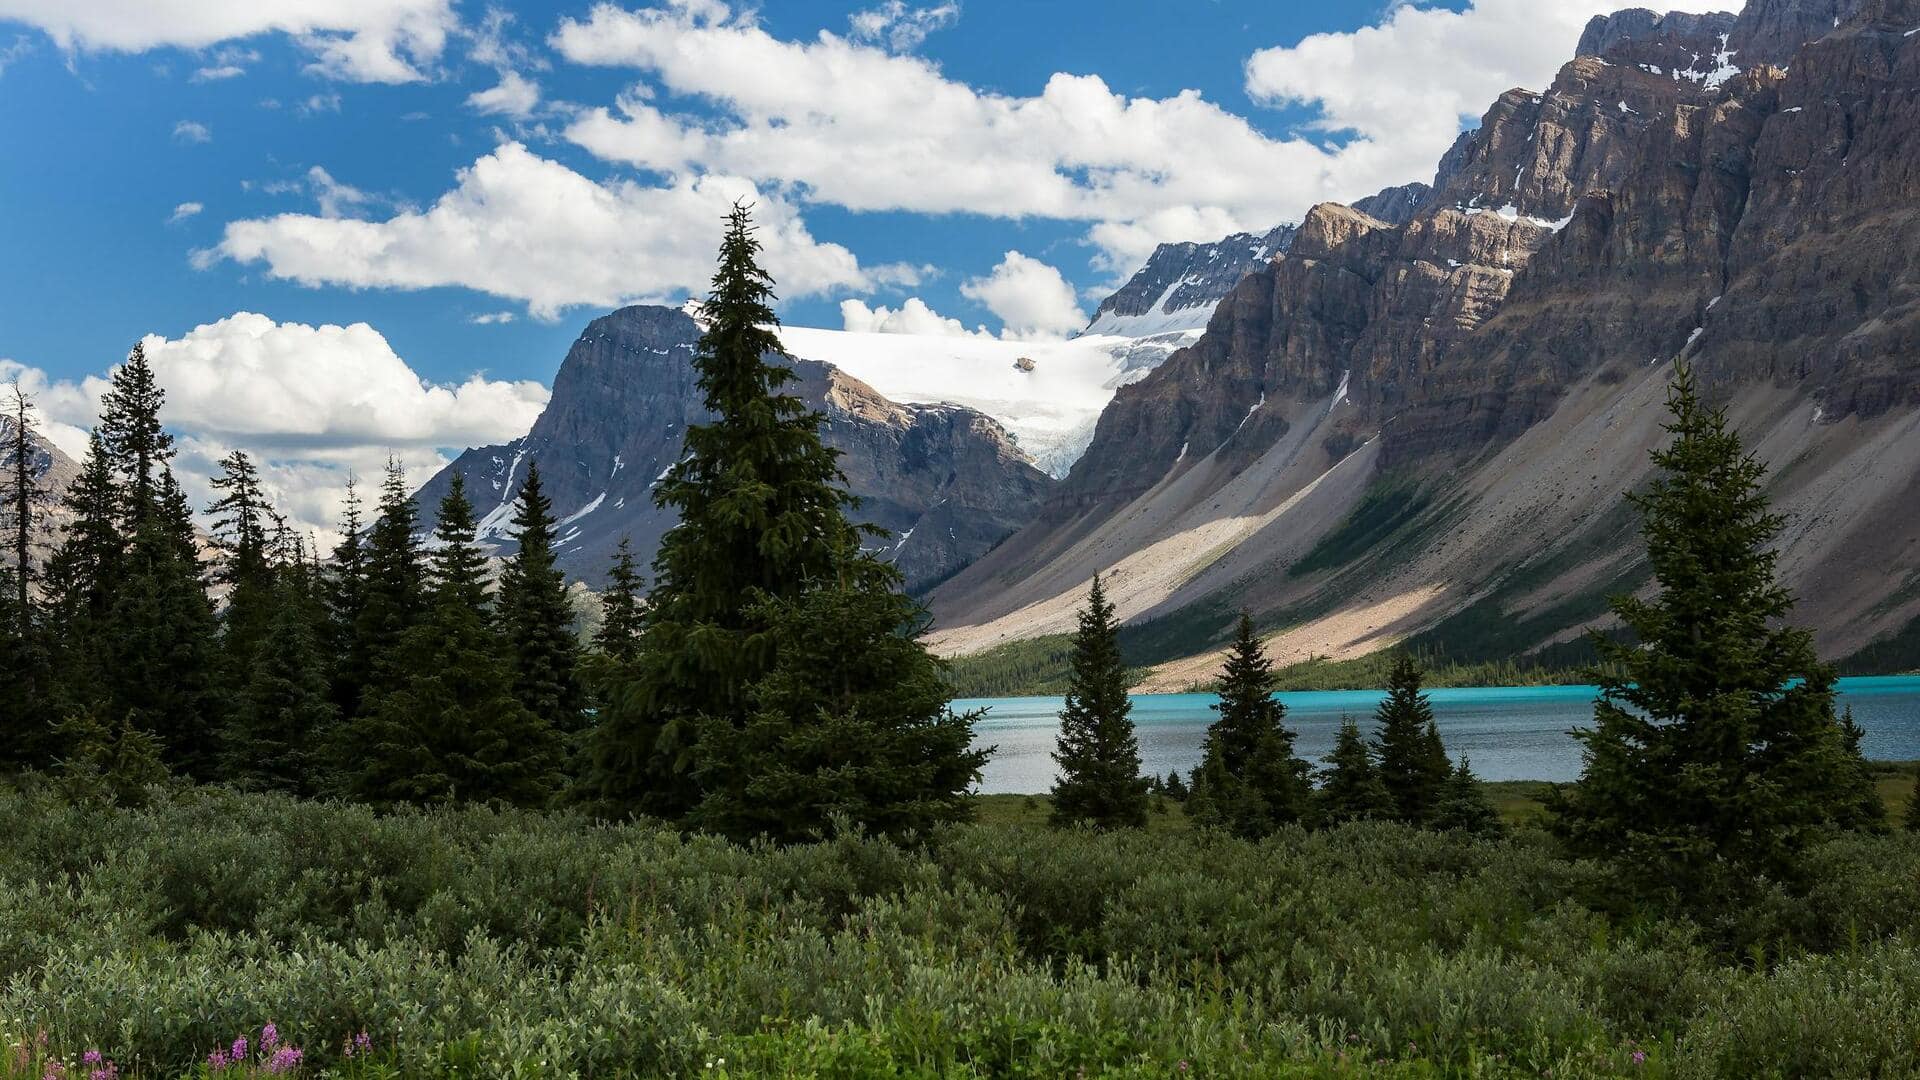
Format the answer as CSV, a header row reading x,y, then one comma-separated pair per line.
x,y
759,500
395,587
1463,804
443,725
161,640
113,763
1413,765
851,723
618,638
1249,781
1098,754
86,567
1350,787
241,522
536,617
344,587
130,427
24,707
1176,787
1715,756
284,716
1861,807
1910,819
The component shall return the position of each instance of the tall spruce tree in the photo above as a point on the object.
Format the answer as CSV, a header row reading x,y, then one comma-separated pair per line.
x,y
1715,755
136,442
242,532
536,617
1097,751
443,725
759,499
284,717
343,585
1249,781
851,723
394,594
1350,787
618,637
25,707
82,580
1413,765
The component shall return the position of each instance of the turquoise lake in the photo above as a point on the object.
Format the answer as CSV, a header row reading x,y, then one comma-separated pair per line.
x,y
1509,732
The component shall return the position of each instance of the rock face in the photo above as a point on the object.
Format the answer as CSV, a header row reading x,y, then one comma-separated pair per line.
x,y
52,469
1180,283
947,482
1742,191
1396,205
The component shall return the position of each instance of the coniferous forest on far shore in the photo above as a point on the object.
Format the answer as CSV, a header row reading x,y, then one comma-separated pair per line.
x,y
381,812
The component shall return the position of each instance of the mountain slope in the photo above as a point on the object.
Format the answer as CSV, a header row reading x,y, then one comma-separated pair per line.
x,y
1426,430
946,481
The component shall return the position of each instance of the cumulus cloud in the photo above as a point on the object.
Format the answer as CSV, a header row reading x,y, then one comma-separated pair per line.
x,y
383,41
229,62
192,131
517,225
315,403
491,318
516,96
1029,297
1409,81
899,27
184,211
912,317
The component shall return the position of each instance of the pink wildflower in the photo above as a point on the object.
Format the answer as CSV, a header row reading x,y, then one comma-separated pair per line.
x,y
217,1060
285,1059
240,1049
269,1036
1639,1057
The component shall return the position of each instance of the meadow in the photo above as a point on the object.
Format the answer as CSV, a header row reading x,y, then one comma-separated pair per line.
x,y
476,942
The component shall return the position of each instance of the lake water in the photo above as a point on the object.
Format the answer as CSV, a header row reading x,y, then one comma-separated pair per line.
x,y
1509,732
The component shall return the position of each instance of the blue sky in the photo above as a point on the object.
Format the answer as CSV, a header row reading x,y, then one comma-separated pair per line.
x,y
475,182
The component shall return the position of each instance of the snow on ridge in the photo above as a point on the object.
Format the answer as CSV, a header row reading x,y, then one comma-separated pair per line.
x,y
1155,321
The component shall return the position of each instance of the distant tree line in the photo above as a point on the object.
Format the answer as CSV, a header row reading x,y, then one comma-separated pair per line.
x,y
769,683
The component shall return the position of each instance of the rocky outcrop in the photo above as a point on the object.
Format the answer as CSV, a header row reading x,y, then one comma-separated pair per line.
x,y
1743,191
1396,205
53,471
1180,283
946,482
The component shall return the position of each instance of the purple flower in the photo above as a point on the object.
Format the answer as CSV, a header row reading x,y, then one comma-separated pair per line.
x,y
363,1042
240,1049
1639,1057
92,1057
285,1059
217,1060
269,1036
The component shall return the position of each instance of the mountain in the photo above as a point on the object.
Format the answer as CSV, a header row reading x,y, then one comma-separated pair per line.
x,y
1423,431
53,470
1180,284
946,481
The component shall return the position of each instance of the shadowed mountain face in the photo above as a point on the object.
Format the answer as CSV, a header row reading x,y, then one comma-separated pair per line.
x,y
946,482
53,471
1425,429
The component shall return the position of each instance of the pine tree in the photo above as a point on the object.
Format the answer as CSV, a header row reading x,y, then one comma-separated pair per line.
x,y
1413,765
85,568
536,617
619,635
1176,787
284,717
344,587
395,586
1715,756
759,500
160,643
852,723
1463,805
444,725
26,704
1350,787
241,522
130,426
1249,781
1098,753
1861,806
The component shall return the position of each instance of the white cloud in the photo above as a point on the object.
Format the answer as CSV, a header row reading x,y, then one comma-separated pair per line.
x,y
912,317
515,96
335,198
315,104
386,41
853,125
226,63
519,226
1029,297
192,131
899,27
184,211
315,403
1410,80
491,318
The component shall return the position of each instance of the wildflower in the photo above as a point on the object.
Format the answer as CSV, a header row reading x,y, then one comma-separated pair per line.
x,y
1639,1057
1183,1064
285,1059
240,1049
217,1060
91,1057
269,1036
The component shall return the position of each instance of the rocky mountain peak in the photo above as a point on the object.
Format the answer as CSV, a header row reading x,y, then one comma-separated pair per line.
x,y
1180,284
